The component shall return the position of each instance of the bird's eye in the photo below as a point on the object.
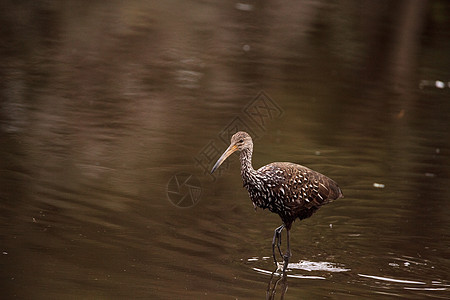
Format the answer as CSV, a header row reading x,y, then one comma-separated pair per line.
x,y
241,141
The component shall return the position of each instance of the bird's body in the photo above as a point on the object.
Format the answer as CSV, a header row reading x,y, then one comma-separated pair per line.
x,y
290,190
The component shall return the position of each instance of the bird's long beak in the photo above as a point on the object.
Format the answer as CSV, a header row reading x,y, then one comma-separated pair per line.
x,y
230,150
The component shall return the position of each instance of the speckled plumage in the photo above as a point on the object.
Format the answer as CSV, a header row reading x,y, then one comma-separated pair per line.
x,y
290,190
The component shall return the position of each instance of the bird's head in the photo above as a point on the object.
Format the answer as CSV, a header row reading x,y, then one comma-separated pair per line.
x,y
239,141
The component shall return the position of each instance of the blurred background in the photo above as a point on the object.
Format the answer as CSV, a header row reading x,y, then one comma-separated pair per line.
x,y
112,115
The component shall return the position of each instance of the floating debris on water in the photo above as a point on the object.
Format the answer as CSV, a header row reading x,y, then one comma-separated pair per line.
x,y
378,185
439,84
433,84
394,265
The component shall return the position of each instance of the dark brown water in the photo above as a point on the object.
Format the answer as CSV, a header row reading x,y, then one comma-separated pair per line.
x,y
111,116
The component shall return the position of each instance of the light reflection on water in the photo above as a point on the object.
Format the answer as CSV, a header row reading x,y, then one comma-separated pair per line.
x,y
102,107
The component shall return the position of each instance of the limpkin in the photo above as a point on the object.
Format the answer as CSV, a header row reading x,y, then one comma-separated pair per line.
x,y
290,190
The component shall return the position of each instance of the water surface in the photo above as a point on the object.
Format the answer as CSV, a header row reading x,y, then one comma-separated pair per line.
x,y
111,117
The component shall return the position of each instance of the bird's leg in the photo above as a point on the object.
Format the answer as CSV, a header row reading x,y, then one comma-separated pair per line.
x,y
277,240
287,255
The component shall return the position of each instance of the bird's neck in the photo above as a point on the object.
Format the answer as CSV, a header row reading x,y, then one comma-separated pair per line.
x,y
247,172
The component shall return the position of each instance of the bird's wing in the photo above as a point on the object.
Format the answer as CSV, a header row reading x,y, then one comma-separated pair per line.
x,y
301,184
319,189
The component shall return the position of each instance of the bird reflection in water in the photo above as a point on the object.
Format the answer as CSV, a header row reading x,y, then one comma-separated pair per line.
x,y
273,284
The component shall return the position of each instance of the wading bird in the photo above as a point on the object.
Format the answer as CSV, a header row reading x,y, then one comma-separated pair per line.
x,y
290,190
